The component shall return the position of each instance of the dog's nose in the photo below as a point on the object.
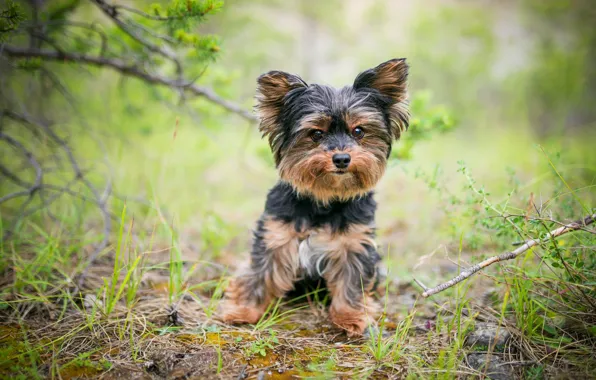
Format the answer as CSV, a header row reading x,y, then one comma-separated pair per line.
x,y
341,160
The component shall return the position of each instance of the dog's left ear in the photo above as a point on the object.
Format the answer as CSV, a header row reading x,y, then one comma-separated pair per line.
x,y
271,94
390,80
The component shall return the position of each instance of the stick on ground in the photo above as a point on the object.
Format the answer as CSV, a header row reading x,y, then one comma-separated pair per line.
x,y
578,224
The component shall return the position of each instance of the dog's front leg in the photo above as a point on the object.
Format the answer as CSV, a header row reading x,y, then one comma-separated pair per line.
x,y
272,272
351,272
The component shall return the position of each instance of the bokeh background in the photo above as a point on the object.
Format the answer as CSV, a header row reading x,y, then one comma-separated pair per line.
x,y
507,75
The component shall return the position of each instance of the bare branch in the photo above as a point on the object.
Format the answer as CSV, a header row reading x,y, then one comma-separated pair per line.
x,y
38,172
424,287
577,225
100,199
111,12
13,177
129,70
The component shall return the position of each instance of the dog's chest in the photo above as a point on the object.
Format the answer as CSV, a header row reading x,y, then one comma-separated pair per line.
x,y
317,248
309,257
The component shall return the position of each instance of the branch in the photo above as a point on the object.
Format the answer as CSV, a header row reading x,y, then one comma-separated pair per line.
x,y
100,200
578,224
13,177
111,12
126,69
38,172
149,16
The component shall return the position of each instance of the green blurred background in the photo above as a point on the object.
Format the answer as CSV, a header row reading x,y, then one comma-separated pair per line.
x,y
491,83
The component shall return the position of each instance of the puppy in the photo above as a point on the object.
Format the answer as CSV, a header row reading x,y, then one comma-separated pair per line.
x,y
330,148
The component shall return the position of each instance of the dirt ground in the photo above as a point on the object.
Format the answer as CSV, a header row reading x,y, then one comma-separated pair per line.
x,y
187,341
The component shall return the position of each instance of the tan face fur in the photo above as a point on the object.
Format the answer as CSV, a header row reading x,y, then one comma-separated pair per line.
x,y
291,111
309,167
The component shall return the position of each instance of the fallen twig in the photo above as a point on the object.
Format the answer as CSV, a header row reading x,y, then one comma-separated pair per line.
x,y
578,224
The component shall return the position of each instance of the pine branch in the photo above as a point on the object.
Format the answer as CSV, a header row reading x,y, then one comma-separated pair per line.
x,y
111,12
128,70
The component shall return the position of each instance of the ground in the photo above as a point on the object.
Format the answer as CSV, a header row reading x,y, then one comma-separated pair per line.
x,y
296,340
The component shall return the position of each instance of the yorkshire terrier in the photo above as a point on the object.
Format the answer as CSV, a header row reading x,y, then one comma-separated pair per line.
x,y
331,148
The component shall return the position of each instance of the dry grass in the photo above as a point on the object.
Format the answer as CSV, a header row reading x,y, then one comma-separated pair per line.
x,y
154,337
148,307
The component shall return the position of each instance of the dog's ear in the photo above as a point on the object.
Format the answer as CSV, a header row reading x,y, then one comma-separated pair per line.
x,y
390,80
271,91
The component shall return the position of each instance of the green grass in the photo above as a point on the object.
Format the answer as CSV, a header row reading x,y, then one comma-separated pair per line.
x,y
263,343
157,261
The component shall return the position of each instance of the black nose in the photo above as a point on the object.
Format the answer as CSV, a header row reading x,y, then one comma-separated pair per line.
x,y
341,160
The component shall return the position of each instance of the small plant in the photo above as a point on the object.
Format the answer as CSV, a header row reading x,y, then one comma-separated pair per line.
x,y
426,122
219,358
534,372
115,289
217,291
262,344
546,286
326,368
273,314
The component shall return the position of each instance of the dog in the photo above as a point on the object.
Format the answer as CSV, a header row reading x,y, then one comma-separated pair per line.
x,y
330,148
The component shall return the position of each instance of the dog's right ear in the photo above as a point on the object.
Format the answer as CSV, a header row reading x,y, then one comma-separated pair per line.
x,y
390,80
271,90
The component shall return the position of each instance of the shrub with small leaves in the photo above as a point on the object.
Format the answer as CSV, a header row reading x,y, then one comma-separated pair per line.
x,y
426,121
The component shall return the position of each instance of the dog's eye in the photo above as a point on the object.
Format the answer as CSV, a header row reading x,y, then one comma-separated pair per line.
x,y
358,133
316,135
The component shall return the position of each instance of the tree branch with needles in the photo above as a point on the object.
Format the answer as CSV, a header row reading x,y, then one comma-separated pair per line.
x,y
127,69
148,39
579,224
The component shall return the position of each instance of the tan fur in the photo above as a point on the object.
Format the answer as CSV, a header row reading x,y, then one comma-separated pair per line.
x,y
340,244
271,90
235,308
353,321
353,318
312,172
282,240
338,247
390,79
366,117
400,116
315,121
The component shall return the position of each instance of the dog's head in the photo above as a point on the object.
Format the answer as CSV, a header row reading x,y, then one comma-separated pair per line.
x,y
333,143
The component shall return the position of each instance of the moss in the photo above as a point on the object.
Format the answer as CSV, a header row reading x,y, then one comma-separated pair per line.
x,y
82,370
214,338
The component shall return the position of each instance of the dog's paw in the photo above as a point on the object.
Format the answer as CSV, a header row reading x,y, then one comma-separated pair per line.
x,y
353,321
238,314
